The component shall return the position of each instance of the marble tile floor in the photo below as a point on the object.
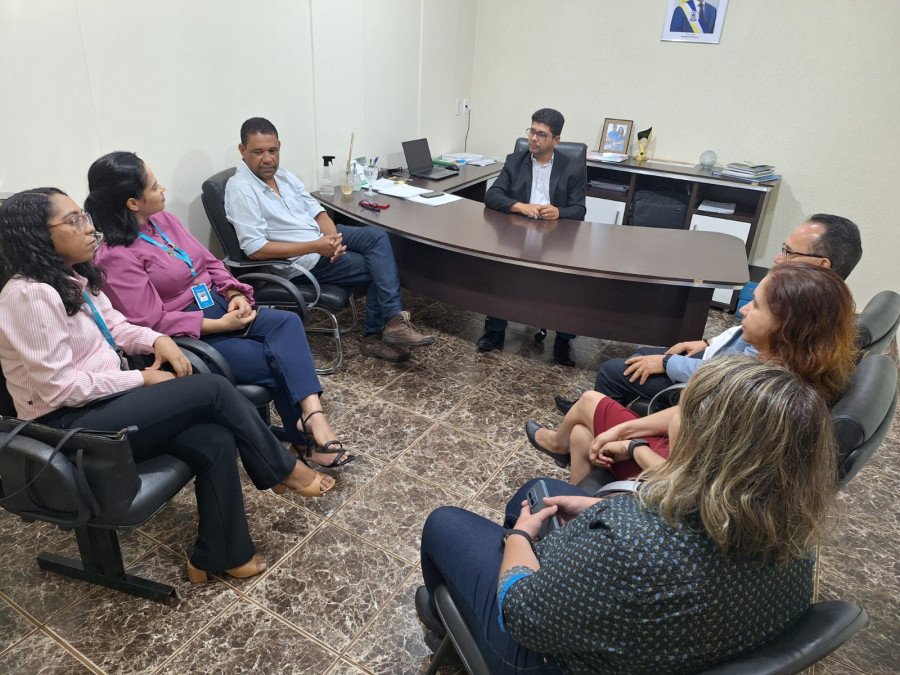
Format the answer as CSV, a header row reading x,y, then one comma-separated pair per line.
x,y
443,428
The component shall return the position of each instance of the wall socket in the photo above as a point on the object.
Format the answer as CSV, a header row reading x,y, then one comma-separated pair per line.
x,y
461,106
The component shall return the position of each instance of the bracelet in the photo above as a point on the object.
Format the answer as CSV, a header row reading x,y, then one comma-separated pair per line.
x,y
521,533
706,341
235,295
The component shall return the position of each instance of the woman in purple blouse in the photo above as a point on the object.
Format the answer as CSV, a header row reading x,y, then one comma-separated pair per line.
x,y
159,275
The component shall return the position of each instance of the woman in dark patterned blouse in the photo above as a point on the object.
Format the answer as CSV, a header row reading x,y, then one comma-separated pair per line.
x,y
711,558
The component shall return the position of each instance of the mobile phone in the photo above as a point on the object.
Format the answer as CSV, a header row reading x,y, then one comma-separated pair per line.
x,y
535,499
429,195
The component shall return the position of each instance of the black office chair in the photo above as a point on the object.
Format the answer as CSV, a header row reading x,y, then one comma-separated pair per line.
x,y
326,298
574,151
824,627
878,322
863,416
35,485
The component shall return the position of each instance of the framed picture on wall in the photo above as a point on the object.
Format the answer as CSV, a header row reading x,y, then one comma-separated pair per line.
x,y
694,20
615,135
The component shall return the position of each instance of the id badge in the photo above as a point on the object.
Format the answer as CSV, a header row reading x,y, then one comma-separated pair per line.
x,y
202,296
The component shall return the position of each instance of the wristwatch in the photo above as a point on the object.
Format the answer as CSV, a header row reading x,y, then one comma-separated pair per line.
x,y
521,533
665,361
632,444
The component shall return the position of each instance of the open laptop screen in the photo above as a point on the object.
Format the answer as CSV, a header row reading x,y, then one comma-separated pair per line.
x,y
418,156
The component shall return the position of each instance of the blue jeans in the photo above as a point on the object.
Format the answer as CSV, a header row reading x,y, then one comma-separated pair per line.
x,y
369,258
463,551
492,323
275,355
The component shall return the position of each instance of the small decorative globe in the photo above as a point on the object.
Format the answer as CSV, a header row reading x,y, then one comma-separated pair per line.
x,y
708,159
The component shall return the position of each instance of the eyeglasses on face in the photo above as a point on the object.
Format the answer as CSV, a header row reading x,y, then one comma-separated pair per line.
x,y
82,222
788,253
540,135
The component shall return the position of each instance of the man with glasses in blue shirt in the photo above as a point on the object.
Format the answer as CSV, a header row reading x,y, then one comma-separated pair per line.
x,y
825,240
539,183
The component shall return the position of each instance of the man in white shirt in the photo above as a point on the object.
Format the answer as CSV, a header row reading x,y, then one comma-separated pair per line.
x,y
275,217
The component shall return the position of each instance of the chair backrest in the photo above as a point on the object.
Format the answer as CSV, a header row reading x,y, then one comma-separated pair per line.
x,y
878,322
213,198
577,152
824,627
863,416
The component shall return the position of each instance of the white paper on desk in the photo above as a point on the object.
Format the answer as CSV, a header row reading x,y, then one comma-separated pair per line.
x,y
392,189
435,201
465,156
484,161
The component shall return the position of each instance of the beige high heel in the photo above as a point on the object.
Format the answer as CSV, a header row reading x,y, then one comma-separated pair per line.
x,y
251,568
314,489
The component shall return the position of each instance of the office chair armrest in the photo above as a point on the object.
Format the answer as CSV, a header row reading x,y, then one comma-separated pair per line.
x,y
212,360
289,287
666,398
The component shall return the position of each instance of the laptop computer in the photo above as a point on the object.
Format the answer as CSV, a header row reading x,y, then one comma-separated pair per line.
x,y
418,159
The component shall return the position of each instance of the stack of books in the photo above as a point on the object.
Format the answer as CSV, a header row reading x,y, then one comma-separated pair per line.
x,y
748,172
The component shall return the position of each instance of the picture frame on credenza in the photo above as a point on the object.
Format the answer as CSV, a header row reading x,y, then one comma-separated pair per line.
x,y
615,135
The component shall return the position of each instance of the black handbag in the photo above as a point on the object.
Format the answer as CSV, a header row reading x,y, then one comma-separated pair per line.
x,y
104,468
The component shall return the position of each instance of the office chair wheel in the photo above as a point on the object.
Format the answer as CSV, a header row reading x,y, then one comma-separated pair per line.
x,y
540,335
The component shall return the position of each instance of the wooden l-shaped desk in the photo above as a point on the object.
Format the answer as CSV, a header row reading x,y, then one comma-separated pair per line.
x,y
631,284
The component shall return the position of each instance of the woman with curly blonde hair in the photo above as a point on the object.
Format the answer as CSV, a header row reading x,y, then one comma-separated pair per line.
x,y
712,557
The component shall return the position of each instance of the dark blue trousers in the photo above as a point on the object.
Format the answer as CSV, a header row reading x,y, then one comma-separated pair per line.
x,y
463,551
369,258
275,355
611,379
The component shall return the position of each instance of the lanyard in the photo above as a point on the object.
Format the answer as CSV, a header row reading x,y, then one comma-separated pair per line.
x,y
101,324
169,247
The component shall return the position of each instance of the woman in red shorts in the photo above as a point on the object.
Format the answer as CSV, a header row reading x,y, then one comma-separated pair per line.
x,y
801,316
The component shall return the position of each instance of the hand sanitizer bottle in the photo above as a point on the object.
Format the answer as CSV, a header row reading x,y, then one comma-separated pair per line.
x,y
326,187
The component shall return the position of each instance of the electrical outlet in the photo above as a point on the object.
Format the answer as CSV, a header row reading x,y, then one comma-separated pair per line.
x,y
465,106
458,109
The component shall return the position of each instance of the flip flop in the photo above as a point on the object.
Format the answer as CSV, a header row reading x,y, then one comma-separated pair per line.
x,y
531,427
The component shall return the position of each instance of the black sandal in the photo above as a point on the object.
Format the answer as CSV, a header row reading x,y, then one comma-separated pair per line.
x,y
327,448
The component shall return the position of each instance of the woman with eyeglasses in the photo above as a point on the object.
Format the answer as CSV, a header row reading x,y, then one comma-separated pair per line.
x,y
61,349
801,316
712,557
159,275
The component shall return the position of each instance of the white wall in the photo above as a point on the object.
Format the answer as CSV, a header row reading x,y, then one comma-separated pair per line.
x,y
797,84
173,80
802,85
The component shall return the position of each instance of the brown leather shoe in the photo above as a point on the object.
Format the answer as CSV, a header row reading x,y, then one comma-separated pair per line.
x,y
373,345
400,332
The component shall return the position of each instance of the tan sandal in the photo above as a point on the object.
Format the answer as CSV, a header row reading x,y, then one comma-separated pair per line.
x,y
314,489
251,568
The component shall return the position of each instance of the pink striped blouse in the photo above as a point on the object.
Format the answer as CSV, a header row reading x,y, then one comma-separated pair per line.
x,y
52,360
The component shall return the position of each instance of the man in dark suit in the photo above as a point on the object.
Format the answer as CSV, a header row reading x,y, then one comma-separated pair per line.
x,y
693,16
542,183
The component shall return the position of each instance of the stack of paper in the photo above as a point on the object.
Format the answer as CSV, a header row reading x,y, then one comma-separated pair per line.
x,y
716,207
748,171
606,156
388,187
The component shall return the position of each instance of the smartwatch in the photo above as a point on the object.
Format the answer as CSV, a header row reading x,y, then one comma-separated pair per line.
x,y
632,444
521,533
